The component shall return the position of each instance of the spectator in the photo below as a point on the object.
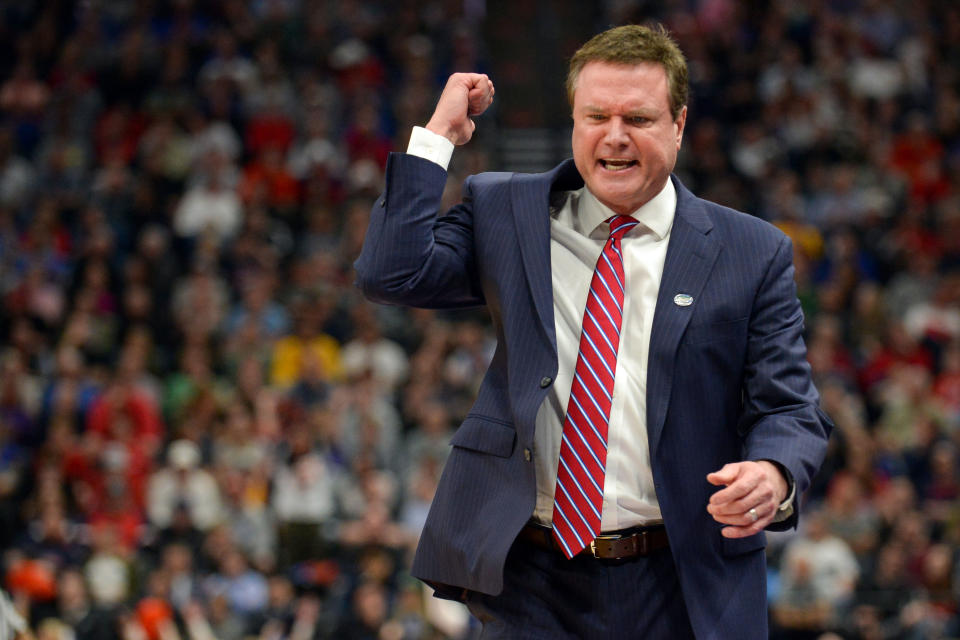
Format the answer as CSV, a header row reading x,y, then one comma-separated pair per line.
x,y
88,621
184,482
212,207
303,498
823,567
370,352
183,190
176,564
306,347
257,306
368,613
109,571
244,588
17,176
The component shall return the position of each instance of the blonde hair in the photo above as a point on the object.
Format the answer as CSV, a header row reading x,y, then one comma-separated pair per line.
x,y
633,44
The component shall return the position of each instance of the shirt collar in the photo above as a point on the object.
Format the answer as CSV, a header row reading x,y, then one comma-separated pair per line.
x,y
656,215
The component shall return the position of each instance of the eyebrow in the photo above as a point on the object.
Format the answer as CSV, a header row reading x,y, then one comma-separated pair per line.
x,y
646,112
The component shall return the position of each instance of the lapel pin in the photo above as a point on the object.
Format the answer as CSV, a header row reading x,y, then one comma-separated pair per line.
x,y
683,300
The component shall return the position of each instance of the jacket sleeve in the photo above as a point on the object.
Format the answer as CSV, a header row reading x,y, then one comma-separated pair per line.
x,y
411,255
781,419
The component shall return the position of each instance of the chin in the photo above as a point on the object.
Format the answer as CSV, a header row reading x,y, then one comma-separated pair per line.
x,y
619,202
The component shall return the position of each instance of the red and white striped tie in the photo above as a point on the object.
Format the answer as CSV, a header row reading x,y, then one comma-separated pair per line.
x,y
583,450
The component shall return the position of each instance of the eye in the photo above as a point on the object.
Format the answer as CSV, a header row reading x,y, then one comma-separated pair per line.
x,y
596,116
639,120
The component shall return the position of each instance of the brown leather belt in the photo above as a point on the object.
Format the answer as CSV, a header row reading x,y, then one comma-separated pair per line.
x,y
619,545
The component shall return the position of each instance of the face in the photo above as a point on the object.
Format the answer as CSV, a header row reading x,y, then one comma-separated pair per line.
x,y
625,141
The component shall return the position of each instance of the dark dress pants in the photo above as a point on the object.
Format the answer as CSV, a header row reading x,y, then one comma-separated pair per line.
x,y
546,596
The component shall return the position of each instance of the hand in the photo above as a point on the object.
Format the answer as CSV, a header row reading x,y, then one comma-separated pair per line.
x,y
466,94
749,485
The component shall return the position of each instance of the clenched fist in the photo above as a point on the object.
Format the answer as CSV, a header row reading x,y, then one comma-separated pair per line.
x,y
466,94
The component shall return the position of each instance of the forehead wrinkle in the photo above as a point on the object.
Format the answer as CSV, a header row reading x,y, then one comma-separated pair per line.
x,y
616,85
614,101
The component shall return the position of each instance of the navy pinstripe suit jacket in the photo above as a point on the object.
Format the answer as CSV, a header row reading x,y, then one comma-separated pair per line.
x,y
727,376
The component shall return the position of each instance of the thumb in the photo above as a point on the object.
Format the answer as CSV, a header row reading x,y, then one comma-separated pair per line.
x,y
725,475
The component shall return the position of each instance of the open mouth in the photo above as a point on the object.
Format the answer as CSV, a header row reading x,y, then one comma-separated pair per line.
x,y
617,165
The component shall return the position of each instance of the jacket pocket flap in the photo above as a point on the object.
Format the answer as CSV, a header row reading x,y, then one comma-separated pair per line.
x,y
486,436
736,546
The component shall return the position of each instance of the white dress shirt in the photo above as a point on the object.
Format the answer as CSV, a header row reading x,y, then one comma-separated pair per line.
x,y
578,231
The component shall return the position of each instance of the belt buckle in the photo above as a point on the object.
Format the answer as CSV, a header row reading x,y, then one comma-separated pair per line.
x,y
593,543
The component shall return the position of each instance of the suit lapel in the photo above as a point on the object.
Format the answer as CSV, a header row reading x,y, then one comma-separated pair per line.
x,y
690,258
530,198
689,261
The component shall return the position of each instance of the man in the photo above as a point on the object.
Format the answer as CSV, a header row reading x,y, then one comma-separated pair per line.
x,y
648,410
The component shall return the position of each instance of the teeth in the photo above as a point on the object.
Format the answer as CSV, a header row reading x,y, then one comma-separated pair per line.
x,y
617,165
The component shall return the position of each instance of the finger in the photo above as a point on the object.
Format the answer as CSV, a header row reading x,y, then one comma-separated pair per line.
x,y
759,498
468,80
742,531
743,524
727,474
474,81
478,100
743,486
742,517
476,105
479,90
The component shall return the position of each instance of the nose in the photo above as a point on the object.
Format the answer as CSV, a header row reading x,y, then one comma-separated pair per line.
x,y
616,133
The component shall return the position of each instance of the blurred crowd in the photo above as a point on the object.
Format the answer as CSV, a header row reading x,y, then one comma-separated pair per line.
x,y
206,433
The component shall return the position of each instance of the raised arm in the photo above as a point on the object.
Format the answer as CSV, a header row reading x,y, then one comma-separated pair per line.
x,y
412,256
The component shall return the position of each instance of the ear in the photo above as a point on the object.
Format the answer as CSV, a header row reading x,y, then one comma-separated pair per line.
x,y
679,123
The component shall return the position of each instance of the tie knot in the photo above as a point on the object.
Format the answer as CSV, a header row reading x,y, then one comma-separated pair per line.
x,y
619,225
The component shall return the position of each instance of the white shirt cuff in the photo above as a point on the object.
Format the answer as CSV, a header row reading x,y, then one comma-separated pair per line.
x,y
430,146
785,510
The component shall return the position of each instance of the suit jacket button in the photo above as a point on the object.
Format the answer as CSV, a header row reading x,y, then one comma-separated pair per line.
x,y
545,382
526,455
